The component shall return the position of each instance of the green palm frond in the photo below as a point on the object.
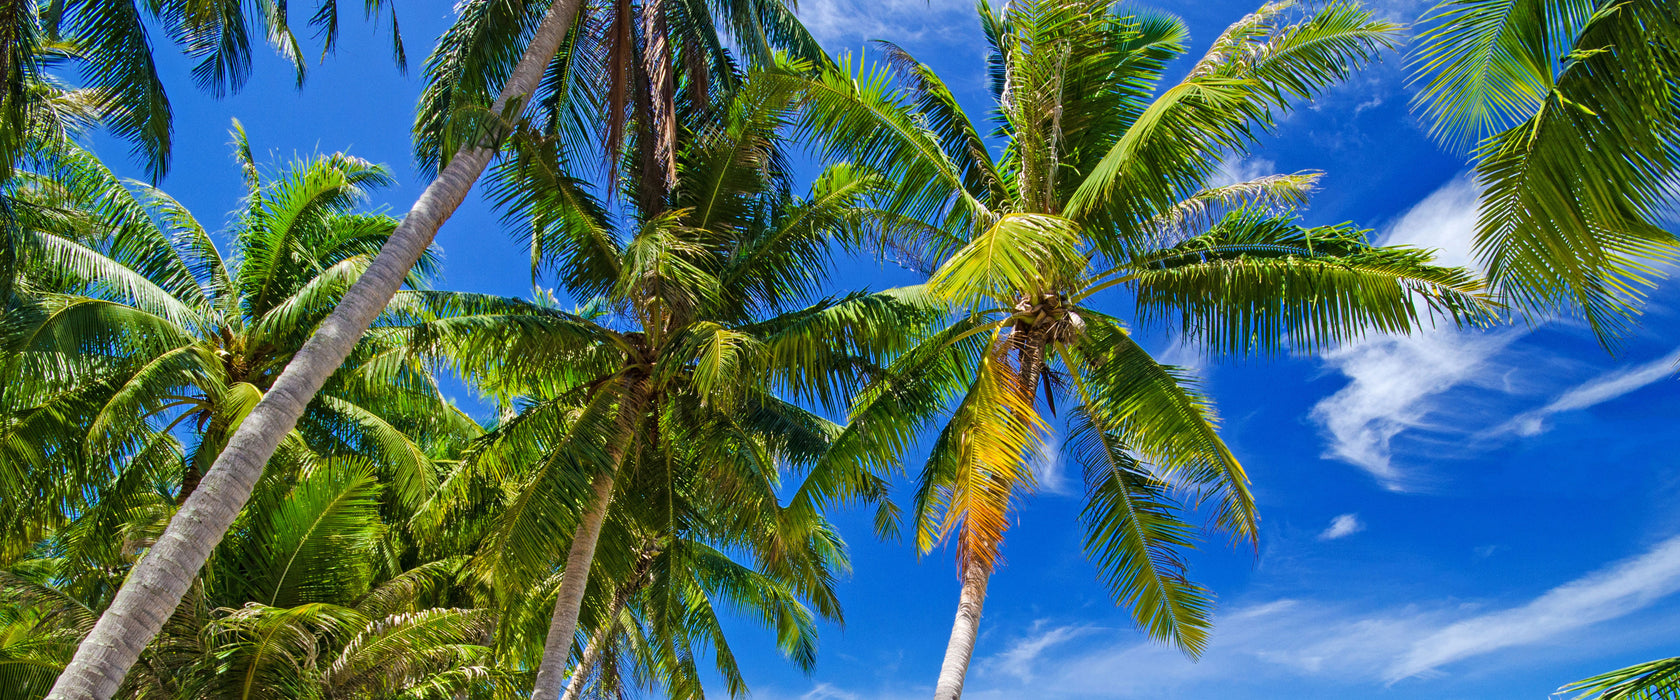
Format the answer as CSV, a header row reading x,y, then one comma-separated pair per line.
x,y
1161,417
317,545
1257,282
1569,109
133,104
1652,680
1022,255
1259,68
1135,535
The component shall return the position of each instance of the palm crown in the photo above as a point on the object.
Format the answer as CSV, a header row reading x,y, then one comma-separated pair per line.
x,y
1103,185
670,393
131,310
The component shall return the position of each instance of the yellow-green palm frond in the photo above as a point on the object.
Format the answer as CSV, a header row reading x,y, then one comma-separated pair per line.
x,y
992,437
1020,255
1652,680
1161,416
1569,108
1136,535
1259,68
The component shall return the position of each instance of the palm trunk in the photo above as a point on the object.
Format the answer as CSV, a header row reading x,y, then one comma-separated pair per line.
x,y
598,640
551,673
156,584
963,633
975,576
592,653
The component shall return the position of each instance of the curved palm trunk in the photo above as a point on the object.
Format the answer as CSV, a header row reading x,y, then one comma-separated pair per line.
x,y
551,673
963,633
155,586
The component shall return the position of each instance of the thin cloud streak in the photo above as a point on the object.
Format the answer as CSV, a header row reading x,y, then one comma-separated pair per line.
x,y
1610,385
1605,595
1294,642
1397,380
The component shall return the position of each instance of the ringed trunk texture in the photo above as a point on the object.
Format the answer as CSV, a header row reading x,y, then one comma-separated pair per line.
x,y
963,633
551,673
155,586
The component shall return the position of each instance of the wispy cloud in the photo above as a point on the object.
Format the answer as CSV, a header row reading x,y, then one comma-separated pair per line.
x,y
1394,383
1022,657
1232,172
1604,387
1342,526
1292,642
1395,378
826,691
1049,467
1605,595
846,23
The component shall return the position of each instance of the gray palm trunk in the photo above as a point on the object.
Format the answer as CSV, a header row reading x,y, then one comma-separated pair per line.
x,y
551,673
155,586
963,633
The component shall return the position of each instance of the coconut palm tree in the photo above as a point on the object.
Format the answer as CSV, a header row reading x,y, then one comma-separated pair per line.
x,y
196,337
300,601
1104,186
519,44
700,330
1567,109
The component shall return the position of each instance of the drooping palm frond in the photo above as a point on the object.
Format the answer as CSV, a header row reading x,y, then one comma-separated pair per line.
x,y
1570,112
1257,282
1136,537
1652,680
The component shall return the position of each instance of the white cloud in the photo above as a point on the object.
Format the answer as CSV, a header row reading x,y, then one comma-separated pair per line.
x,y
1610,385
1396,380
845,23
1300,643
1342,526
1022,657
1604,595
1242,170
1179,353
1049,469
826,691
1444,222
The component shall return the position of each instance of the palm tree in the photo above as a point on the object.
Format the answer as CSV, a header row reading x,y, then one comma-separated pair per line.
x,y
1567,110
300,601
497,60
1103,186
193,338
1652,680
699,331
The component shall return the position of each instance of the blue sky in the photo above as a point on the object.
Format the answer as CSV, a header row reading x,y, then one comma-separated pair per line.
x,y
1450,515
